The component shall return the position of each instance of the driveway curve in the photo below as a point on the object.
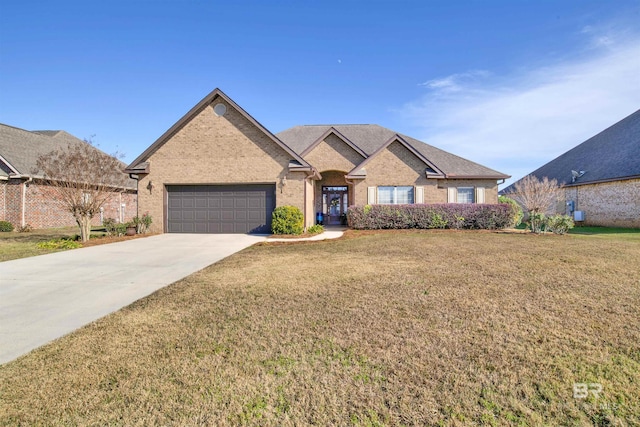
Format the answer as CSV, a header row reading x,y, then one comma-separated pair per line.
x,y
45,297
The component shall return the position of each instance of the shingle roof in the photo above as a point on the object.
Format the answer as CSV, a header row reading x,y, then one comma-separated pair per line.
x,y
610,155
369,138
21,148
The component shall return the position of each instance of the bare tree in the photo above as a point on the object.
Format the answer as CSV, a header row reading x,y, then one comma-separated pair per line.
x,y
537,197
83,179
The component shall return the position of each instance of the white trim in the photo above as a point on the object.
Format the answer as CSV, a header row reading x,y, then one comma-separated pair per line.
x,y
480,195
371,195
452,195
419,195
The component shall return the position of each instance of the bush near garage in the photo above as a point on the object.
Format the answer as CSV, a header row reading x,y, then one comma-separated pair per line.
x,y
431,216
287,220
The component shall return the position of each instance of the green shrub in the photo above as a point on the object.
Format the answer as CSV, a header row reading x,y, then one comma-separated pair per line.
x,y
516,210
114,228
6,226
59,244
537,221
437,221
559,224
287,220
142,223
315,229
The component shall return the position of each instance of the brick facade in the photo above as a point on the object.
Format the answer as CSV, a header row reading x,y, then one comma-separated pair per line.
x,y
212,149
333,154
611,204
397,166
334,159
205,148
43,210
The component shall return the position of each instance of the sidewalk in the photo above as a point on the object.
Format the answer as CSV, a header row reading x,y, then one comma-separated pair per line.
x,y
329,233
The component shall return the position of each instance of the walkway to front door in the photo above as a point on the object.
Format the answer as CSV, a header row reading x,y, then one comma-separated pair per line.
x,y
335,201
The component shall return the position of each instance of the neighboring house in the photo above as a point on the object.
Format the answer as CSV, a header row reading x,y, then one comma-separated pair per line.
x,y
601,176
26,199
217,170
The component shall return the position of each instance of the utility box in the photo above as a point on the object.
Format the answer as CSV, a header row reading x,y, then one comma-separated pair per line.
x,y
578,215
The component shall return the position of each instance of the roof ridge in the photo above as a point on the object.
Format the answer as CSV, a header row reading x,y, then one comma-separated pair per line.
x,y
15,127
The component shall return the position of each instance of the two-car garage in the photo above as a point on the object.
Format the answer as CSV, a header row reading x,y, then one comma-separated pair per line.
x,y
220,208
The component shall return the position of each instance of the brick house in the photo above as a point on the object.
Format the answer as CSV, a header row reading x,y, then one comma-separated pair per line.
x,y
26,199
600,177
218,170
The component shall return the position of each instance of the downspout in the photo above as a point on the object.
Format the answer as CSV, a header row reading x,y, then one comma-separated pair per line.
x,y
308,179
24,199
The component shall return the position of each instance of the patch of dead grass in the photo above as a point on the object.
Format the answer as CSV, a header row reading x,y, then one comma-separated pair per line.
x,y
377,328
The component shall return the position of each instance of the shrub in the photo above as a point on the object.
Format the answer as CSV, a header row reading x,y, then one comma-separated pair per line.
x,y
6,226
142,223
459,216
113,228
559,224
315,229
59,244
287,220
537,222
516,210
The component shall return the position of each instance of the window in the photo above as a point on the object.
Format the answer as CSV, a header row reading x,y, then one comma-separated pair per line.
x,y
395,195
465,195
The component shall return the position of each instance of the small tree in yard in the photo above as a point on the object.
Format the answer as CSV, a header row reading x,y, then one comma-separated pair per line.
x,y
83,179
537,197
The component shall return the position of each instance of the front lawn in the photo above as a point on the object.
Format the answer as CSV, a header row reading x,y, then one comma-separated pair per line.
x,y
377,328
14,245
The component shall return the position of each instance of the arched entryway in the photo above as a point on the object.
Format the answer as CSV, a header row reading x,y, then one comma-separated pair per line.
x,y
333,197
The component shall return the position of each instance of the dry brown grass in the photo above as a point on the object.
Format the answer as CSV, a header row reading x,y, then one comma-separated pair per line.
x,y
379,328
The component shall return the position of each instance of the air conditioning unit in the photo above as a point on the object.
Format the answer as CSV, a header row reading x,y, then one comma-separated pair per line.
x,y
578,215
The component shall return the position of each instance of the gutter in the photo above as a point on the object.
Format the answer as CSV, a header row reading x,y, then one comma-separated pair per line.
x,y
24,198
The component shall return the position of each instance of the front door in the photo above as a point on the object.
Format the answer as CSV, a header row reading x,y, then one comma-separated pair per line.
x,y
335,201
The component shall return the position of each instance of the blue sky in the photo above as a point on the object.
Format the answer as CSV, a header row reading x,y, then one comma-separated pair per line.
x,y
509,84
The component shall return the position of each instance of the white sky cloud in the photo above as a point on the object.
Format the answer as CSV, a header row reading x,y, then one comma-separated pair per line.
x,y
519,122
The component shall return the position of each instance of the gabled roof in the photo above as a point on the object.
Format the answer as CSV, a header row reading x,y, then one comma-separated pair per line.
x,y
360,170
137,165
370,138
20,149
611,155
333,131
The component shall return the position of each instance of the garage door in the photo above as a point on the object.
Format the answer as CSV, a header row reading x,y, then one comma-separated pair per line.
x,y
220,208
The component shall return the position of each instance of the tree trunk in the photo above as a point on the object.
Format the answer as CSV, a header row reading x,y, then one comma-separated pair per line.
x,y
84,222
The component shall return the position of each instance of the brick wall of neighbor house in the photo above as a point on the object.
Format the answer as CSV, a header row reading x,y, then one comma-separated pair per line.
x,y
333,154
44,210
13,202
612,204
112,208
218,150
3,199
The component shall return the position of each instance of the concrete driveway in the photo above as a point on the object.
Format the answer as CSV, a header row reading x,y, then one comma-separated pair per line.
x,y
45,297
